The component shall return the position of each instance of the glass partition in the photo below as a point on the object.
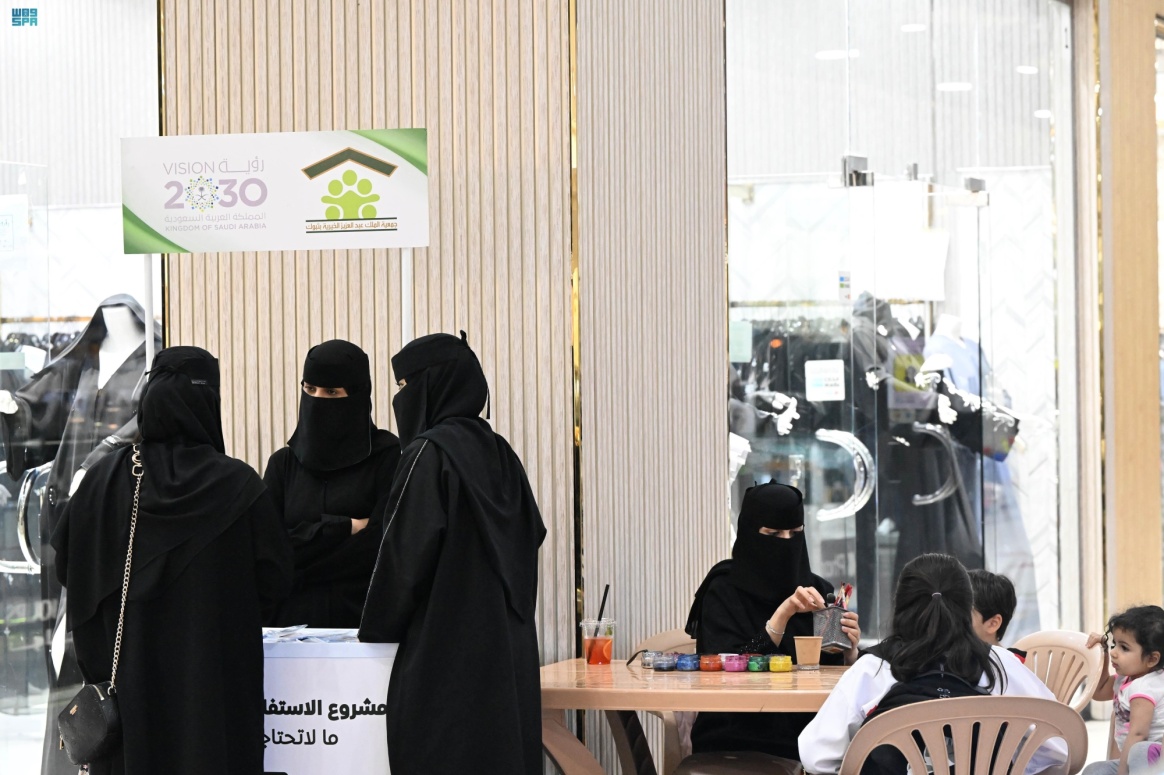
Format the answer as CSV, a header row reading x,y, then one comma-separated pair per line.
x,y
74,330
901,285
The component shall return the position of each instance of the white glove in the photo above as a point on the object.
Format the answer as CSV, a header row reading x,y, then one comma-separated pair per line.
x,y
946,411
8,404
785,418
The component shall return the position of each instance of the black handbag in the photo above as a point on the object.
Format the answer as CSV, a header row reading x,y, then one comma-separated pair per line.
x,y
90,725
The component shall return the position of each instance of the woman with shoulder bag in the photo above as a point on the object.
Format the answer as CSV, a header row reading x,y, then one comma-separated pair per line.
x,y
208,558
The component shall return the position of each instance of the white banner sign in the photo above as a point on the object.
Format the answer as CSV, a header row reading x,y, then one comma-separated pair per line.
x,y
325,708
279,191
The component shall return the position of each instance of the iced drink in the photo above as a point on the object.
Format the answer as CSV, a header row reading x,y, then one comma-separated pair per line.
x,y
597,641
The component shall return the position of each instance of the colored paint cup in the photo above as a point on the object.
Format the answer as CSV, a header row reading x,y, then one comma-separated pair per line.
x,y
735,663
665,662
757,663
780,663
688,662
710,663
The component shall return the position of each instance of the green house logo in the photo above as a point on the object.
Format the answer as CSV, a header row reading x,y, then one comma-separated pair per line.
x,y
349,196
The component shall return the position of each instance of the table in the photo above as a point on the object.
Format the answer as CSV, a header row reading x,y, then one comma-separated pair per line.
x,y
574,685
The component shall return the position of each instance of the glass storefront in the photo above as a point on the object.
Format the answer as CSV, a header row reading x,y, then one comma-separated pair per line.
x,y
87,77
900,221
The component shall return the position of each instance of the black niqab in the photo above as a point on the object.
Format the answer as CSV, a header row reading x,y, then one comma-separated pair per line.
x,y
768,567
335,433
191,492
446,392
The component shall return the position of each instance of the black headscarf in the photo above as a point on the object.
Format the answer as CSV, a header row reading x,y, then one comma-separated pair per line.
x,y
766,566
335,433
446,392
191,492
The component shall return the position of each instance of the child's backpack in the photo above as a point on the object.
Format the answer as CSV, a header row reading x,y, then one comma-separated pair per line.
x,y
934,685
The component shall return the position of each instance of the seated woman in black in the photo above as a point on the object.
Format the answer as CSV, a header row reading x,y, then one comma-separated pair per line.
x,y
756,603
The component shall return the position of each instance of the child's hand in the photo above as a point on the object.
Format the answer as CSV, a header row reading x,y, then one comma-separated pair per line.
x,y
1095,639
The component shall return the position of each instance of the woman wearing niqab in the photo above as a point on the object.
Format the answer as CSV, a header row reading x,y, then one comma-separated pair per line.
x,y
757,603
330,485
209,555
459,560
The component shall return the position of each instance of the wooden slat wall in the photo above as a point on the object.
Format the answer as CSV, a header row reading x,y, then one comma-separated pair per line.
x,y
490,82
1130,337
652,214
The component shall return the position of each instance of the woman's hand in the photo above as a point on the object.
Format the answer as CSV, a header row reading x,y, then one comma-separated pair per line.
x,y
358,525
851,627
803,600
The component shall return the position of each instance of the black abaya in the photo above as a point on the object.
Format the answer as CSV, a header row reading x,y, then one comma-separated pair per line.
x,y
332,566
458,564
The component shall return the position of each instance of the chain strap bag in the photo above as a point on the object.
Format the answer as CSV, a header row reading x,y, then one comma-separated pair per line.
x,y
90,727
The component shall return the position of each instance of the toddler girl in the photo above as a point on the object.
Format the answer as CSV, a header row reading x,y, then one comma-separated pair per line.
x,y
1137,688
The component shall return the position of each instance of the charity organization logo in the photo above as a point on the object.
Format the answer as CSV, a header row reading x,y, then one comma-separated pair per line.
x,y
202,194
24,17
349,196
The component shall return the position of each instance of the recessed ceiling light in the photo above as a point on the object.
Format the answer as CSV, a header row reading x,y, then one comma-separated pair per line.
x,y
955,86
838,53
1043,113
913,28
1027,70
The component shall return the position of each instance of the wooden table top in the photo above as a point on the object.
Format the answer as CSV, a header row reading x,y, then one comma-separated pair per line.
x,y
573,684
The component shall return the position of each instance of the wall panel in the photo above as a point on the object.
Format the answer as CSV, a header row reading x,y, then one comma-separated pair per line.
x,y
490,82
651,171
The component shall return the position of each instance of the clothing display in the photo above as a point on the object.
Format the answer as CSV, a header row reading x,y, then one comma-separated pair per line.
x,y
209,555
337,467
734,602
991,489
62,413
459,559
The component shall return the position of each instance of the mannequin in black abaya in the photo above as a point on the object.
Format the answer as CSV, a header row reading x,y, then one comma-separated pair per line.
x,y
209,555
757,603
459,560
330,485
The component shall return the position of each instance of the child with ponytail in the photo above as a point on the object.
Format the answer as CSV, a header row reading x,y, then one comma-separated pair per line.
x,y
932,651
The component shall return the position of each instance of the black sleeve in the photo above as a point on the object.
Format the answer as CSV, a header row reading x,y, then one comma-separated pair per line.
x,y
725,627
309,540
413,533
274,564
385,476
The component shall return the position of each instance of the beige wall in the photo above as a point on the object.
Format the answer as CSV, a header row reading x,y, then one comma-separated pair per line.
x,y
1128,231
651,173
490,82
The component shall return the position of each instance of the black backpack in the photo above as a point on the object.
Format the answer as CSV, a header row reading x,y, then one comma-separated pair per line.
x,y
934,685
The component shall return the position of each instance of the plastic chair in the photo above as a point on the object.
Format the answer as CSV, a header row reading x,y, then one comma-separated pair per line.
x,y
630,741
1061,660
1009,731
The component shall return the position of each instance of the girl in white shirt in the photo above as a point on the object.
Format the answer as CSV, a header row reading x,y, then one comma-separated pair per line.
x,y
1137,688
932,628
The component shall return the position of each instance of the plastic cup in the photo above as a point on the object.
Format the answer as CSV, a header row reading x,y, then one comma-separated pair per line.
x,y
597,640
807,652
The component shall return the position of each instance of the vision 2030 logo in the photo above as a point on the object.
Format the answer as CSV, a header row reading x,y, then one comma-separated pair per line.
x,y
24,17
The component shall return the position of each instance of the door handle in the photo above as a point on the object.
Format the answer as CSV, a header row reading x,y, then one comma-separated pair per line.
x,y
27,484
864,471
950,486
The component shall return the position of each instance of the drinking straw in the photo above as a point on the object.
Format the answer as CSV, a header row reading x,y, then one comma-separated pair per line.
x,y
601,608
